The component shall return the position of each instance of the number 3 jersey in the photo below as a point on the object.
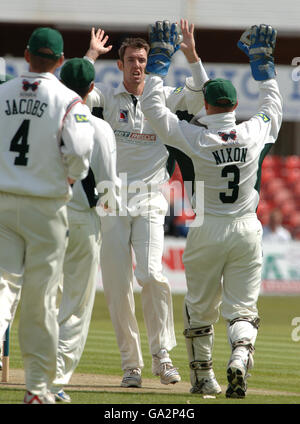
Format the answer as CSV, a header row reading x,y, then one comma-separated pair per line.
x,y
46,136
227,157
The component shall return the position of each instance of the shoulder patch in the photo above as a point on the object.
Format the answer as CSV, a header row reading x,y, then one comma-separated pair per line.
x,y
263,116
178,90
80,118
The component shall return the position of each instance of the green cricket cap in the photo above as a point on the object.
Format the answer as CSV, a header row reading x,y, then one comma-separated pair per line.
x,y
46,38
220,92
77,73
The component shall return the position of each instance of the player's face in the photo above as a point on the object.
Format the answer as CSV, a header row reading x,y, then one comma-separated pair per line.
x,y
134,65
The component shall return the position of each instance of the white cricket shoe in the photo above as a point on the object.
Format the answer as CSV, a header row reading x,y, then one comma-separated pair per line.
x,y
207,385
132,378
237,374
162,366
30,398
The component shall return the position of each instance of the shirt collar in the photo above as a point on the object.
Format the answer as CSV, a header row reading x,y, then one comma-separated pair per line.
x,y
120,89
47,75
218,120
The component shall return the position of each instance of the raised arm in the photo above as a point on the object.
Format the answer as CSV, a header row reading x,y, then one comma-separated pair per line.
x,y
190,97
258,42
97,45
169,128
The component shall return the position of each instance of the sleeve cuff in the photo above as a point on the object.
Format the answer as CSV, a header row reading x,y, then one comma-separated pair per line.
x,y
89,59
199,76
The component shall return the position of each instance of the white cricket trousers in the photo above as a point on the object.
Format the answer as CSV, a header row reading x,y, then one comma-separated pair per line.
x,y
9,300
33,238
81,267
223,262
145,235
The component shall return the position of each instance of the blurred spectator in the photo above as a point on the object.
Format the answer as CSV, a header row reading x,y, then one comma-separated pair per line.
x,y
180,212
169,228
274,231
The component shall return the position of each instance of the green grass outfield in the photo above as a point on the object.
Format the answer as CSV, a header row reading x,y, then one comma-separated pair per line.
x,y
275,378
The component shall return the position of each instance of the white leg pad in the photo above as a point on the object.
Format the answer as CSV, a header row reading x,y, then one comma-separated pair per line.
x,y
241,330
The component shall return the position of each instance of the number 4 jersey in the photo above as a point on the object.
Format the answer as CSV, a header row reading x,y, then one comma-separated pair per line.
x,y
45,136
227,157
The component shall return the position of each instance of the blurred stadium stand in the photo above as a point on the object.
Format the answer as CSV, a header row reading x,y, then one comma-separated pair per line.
x,y
280,189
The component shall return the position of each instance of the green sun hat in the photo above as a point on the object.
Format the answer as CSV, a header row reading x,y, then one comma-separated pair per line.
x,y
48,38
77,73
220,92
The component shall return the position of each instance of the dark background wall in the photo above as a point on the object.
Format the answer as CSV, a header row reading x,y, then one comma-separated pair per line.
x,y
212,45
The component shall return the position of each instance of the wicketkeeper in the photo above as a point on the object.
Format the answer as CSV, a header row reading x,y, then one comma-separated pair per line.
x,y
223,257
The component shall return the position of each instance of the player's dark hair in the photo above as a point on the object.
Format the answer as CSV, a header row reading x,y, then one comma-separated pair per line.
x,y
82,92
136,43
42,64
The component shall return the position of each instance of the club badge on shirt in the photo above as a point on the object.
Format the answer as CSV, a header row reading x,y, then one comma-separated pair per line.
x,y
227,136
28,86
123,117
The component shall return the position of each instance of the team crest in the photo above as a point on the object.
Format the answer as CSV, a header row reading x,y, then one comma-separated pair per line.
x,y
226,136
28,86
123,117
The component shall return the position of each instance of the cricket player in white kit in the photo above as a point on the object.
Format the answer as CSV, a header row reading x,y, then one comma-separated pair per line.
x,y
223,257
141,158
46,143
82,258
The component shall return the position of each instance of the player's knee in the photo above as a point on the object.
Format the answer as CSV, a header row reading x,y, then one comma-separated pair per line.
x,y
150,277
243,330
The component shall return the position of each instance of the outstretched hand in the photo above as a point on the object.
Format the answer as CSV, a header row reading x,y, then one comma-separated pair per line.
x,y
98,44
188,46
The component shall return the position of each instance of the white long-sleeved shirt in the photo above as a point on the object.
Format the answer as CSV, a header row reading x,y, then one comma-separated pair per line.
x,y
141,155
226,156
46,136
102,173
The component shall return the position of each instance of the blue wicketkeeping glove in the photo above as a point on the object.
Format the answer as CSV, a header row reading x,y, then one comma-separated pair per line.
x,y
258,43
165,39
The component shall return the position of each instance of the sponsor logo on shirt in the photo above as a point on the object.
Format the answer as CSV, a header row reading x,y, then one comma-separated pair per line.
x,y
178,90
263,116
132,137
123,117
80,118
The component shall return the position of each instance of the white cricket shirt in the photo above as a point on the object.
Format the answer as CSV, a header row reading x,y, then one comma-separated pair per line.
x,y
45,136
226,156
102,170
140,152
